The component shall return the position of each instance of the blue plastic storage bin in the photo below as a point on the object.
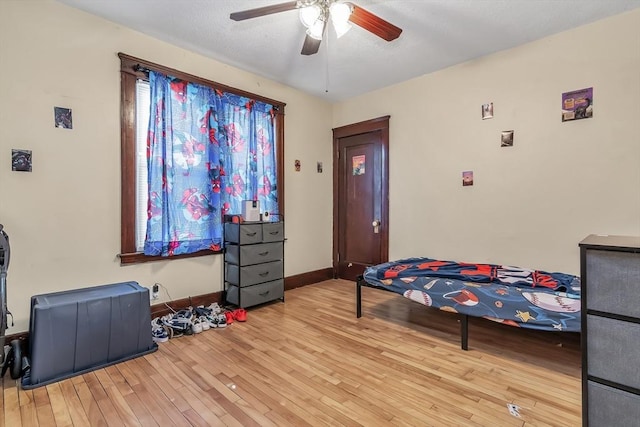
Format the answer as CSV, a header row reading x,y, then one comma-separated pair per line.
x,y
77,331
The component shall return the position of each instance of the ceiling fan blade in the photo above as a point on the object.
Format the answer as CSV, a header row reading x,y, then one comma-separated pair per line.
x,y
262,11
373,23
310,46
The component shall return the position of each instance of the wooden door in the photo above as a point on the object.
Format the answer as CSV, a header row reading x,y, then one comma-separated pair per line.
x,y
360,232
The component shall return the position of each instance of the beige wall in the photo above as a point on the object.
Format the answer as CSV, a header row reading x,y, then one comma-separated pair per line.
x,y
64,217
532,203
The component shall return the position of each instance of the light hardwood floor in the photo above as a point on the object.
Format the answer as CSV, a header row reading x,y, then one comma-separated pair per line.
x,y
309,361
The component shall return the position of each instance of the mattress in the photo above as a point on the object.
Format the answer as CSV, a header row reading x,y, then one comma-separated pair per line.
x,y
510,295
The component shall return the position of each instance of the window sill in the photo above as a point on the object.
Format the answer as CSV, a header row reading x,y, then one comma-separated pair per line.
x,y
139,257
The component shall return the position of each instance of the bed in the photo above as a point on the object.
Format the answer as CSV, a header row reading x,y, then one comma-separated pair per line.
x,y
509,295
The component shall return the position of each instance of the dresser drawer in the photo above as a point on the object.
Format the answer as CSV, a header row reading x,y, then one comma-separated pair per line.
x,y
242,233
608,407
613,282
252,274
613,347
256,294
253,254
272,232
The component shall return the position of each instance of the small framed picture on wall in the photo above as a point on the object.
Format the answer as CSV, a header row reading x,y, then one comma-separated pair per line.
x,y
506,139
487,111
21,160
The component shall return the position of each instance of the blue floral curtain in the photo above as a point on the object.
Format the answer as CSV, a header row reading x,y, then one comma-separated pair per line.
x,y
249,153
207,151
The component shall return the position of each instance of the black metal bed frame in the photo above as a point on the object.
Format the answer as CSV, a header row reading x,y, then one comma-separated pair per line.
x,y
464,318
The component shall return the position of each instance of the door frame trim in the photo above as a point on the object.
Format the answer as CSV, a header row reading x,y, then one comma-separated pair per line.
x,y
378,124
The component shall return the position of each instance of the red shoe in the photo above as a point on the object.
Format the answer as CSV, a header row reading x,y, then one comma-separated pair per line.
x,y
240,315
229,317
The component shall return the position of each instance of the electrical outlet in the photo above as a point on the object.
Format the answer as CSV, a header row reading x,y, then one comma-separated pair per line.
x,y
154,291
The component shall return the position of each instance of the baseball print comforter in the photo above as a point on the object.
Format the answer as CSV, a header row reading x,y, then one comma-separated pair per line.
x,y
511,295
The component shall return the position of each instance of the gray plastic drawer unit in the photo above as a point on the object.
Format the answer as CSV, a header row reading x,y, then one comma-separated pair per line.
x,y
610,277
254,263
253,254
77,331
253,274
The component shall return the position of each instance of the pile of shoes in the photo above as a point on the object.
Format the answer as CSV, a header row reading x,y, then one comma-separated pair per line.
x,y
192,321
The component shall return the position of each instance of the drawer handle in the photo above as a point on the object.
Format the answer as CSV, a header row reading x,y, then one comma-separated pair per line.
x,y
262,294
266,273
264,253
251,234
274,233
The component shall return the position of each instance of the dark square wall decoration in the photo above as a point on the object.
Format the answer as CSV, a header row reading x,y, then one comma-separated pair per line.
x,y
506,139
21,160
63,118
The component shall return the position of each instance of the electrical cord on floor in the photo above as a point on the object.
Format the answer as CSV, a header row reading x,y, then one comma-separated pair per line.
x,y
168,296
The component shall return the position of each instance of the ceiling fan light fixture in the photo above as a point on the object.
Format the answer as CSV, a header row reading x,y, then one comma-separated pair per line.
x,y
340,12
310,14
315,14
341,28
316,30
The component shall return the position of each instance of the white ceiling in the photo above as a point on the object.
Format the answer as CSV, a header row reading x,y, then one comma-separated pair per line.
x,y
436,34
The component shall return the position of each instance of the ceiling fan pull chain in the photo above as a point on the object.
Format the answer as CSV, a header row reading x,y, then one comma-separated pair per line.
x,y
326,88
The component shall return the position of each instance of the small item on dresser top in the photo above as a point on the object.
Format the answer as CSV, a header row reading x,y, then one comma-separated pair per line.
x,y
251,210
236,219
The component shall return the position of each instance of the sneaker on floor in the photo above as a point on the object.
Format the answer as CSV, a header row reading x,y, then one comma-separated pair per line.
x,y
211,319
240,315
156,323
197,326
179,324
215,308
158,332
204,322
184,314
159,335
229,316
221,320
201,311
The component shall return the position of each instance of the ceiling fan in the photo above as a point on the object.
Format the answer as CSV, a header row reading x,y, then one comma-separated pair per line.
x,y
315,14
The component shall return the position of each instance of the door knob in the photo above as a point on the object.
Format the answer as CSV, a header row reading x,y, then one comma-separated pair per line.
x,y
376,226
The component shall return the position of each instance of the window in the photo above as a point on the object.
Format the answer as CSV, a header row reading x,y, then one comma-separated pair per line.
x,y
142,119
134,119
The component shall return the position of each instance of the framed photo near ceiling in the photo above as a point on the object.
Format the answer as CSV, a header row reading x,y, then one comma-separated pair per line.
x,y
577,104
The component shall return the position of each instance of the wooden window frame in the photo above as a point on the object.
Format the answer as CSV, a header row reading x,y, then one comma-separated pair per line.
x,y
132,69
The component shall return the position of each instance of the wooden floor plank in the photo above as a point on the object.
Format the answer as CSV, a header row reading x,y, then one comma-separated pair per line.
x,y
29,415
43,407
12,414
202,405
106,405
88,402
76,411
311,362
25,396
119,401
58,405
